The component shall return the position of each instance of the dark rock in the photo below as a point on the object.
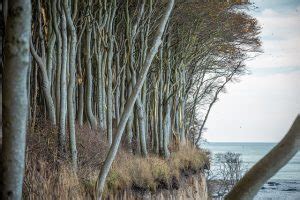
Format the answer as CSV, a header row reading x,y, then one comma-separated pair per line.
x,y
290,189
273,183
175,183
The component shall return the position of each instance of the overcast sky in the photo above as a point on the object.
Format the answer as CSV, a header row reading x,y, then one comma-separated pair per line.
x,y
262,106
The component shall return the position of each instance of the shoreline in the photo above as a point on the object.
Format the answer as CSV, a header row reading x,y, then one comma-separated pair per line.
x,y
276,189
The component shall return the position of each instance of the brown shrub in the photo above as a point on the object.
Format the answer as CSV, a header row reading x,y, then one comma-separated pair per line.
x,y
141,175
41,182
188,158
161,170
49,177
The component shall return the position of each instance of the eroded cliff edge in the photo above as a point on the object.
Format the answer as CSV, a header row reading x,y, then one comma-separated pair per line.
x,y
192,186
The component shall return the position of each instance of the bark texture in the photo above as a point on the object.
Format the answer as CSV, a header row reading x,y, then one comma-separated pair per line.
x,y
15,99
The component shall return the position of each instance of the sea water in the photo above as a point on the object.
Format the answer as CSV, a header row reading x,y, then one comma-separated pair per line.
x,y
287,179
253,152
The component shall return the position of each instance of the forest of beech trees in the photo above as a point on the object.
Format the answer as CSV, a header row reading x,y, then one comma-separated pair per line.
x,y
144,75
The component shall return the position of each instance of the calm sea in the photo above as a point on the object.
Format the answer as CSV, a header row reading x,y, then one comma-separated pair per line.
x,y
252,152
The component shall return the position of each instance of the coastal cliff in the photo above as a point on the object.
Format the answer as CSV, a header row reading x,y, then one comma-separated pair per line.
x,y
191,187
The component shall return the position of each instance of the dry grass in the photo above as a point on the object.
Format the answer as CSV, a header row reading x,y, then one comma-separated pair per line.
x,y
153,172
188,158
47,177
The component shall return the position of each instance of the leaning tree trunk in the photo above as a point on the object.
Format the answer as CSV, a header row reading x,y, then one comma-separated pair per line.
x,y
129,133
131,101
141,119
46,85
15,100
253,180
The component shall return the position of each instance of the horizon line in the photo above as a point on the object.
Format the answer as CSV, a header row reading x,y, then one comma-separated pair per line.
x,y
240,141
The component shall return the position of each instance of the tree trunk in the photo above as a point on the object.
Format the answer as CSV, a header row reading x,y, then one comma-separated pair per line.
x,y
58,57
71,86
15,100
63,85
142,126
109,93
131,101
80,88
89,85
100,86
268,166
46,85
109,72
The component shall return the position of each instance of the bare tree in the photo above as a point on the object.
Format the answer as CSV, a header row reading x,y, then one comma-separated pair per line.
x,y
227,171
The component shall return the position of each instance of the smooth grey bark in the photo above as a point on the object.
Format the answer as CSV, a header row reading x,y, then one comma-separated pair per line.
x,y
142,126
80,88
131,34
46,85
129,133
182,100
75,9
109,72
71,86
50,46
141,102
160,104
100,86
117,87
167,104
131,101
63,85
146,111
140,122
109,93
89,82
166,130
50,49
175,122
155,120
58,57
268,166
137,134
103,94
122,91
15,100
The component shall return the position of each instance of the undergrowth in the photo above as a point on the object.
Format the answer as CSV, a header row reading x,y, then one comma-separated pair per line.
x,y
48,177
